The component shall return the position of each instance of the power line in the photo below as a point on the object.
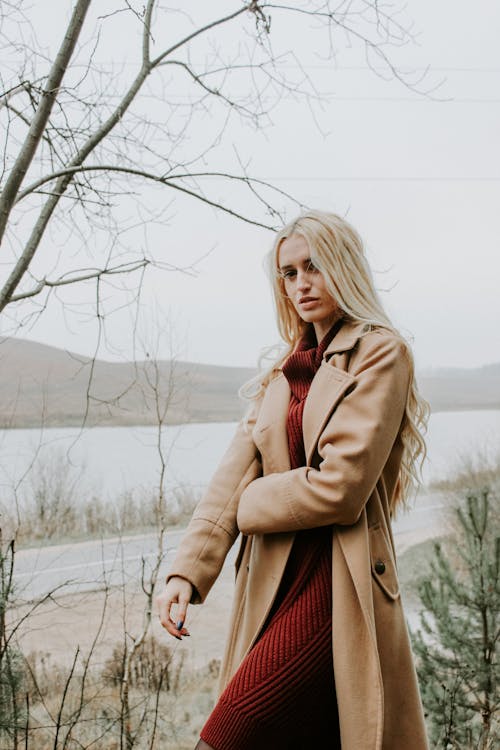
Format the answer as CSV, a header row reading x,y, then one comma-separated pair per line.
x,y
416,69
417,99
413,100
407,70
379,178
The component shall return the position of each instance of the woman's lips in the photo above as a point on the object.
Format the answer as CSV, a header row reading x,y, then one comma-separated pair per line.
x,y
307,303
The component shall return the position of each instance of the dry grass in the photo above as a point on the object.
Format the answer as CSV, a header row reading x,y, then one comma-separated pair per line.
x,y
54,506
168,702
471,473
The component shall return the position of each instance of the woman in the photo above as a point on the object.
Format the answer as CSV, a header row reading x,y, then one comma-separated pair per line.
x,y
318,644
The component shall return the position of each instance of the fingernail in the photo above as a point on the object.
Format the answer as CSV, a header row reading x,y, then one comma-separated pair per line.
x,y
180,624
178,637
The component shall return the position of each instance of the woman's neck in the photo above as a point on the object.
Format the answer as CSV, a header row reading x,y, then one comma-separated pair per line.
x,y
321,327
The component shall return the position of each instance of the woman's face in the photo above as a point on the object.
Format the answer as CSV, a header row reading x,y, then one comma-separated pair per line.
x,y
305,285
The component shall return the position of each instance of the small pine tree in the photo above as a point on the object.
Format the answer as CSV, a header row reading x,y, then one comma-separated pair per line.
x,y
457,646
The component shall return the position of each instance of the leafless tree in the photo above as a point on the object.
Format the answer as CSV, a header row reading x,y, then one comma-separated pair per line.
x,y
87,144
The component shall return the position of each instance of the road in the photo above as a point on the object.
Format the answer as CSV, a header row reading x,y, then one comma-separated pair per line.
x,y
86,566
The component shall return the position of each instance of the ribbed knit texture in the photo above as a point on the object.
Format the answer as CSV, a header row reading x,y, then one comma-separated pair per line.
x,y
299,369
282,697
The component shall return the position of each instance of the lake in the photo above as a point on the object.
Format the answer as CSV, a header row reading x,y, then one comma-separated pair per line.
x,y
111,460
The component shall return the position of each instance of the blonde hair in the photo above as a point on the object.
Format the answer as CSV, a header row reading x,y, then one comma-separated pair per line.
x,y
337,250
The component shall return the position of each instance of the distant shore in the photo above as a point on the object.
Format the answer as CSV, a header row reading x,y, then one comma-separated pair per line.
x,y
50,423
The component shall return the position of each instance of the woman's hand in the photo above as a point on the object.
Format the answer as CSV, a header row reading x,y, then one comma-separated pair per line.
x,y
177,591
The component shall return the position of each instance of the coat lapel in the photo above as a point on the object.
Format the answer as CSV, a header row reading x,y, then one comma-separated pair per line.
x,y
329,385
327,388
270,432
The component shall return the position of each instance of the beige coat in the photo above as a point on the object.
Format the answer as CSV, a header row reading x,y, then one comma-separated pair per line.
x,y
351,423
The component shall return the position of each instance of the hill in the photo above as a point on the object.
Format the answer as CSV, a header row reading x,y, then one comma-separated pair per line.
x,y
41,384
457,389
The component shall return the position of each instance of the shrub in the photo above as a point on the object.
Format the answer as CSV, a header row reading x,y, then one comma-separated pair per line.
x,y
457,647
153,667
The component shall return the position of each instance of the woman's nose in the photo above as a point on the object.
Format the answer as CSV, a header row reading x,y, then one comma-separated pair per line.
x,y
303,280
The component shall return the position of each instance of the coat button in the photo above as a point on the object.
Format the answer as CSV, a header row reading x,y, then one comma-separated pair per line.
x,y
380,567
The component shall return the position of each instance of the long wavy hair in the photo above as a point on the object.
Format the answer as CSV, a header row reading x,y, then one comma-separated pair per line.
x,y
337,250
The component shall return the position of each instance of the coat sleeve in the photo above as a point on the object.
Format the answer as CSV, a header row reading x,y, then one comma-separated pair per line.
x,y
354,448
212,529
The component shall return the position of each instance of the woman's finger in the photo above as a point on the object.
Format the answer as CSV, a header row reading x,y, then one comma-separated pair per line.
x,y
181,614
176,593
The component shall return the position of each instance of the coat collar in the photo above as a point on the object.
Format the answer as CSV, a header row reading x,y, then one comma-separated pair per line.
x,y
329,385
347,337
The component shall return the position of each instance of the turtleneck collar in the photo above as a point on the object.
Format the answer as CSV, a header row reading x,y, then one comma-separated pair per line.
x,y
303,363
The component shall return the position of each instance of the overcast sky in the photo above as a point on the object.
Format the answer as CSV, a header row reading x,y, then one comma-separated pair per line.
x,y
418,177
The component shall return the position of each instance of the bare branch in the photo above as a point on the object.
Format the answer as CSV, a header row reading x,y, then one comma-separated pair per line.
x,y
7,95
198,32
42,114
168,182
97,274
212,91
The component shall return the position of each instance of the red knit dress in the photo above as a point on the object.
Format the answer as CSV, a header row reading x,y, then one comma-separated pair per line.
x,y
282,696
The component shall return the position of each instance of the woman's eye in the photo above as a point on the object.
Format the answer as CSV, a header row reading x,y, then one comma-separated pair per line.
x,y
311,268
291,273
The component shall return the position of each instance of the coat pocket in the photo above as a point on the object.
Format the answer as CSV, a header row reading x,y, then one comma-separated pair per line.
x,y
382,562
